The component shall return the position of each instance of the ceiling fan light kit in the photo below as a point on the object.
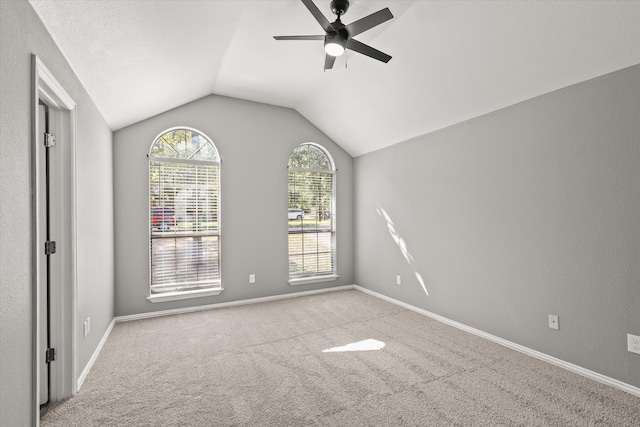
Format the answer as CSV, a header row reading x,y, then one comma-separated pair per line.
x,y
339,37
334,45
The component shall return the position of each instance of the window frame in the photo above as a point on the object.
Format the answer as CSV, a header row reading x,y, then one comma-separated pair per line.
x,y
215,286
315,277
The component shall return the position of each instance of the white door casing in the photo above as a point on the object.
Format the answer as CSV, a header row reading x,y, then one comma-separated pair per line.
x,y
63,287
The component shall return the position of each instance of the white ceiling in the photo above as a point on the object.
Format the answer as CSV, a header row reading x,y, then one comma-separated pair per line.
x,y
452,60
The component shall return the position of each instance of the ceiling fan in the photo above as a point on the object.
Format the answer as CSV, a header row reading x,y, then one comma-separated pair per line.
x,y
339,37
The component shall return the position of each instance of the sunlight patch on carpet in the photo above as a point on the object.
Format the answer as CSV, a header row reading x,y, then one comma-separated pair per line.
x,y
365,345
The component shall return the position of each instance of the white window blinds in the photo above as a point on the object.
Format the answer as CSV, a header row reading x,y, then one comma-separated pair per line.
x,y
184,189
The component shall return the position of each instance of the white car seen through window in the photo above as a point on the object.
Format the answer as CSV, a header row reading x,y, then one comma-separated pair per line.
x,y
296,213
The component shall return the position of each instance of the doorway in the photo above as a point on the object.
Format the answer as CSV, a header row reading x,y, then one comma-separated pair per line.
x,y
53,240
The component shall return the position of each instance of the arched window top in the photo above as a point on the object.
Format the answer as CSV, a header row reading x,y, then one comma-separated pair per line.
x,y
310,156
184,144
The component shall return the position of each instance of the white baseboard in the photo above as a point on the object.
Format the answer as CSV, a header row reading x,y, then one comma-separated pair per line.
x,y
94,356
522,349
229,304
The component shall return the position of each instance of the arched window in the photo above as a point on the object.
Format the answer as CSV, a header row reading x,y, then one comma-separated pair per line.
x,y
312,232
184,220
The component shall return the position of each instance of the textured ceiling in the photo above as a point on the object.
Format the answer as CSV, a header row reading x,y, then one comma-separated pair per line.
x,y
452,60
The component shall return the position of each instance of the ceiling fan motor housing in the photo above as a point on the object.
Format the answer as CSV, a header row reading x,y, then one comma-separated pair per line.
x,y
339,7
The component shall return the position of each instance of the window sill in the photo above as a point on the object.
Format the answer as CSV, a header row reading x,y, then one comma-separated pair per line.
x,y
313,279
172,296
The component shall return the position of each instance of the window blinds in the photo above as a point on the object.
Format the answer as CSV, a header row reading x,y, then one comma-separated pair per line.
x,y
184,218
312,238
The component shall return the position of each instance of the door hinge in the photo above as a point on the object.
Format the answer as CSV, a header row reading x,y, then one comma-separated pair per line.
x,y
49,140
49,248
50,355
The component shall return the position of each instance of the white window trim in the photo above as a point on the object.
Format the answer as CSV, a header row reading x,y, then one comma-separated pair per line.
x,y
173,296
195,293
313,279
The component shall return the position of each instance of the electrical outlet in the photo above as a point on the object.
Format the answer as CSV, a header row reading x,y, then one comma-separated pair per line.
x,y
87,326
633,343
398,280
252,278
554,322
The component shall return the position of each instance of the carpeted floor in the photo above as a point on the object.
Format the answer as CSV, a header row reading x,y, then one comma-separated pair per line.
x,y
264,365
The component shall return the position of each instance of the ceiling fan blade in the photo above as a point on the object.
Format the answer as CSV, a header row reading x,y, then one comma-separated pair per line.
x,y
367,50
329,61
299,37
368,22
324,22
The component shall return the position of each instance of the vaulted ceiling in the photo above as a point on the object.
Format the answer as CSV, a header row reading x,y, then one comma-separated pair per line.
x,y
452,60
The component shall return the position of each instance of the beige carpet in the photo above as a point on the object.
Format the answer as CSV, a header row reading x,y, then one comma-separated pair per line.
x,y
264,365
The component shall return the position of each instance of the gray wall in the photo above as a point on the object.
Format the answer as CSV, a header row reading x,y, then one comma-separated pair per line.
x,y
528,211
254,142
21,34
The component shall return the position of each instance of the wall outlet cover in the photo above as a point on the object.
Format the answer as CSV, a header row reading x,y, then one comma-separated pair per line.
x,y
633,343
554,322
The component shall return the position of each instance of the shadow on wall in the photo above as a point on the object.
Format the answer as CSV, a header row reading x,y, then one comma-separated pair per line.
x,y
402,245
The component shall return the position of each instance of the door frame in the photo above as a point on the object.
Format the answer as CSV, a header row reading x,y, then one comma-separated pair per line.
x,y
63,293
